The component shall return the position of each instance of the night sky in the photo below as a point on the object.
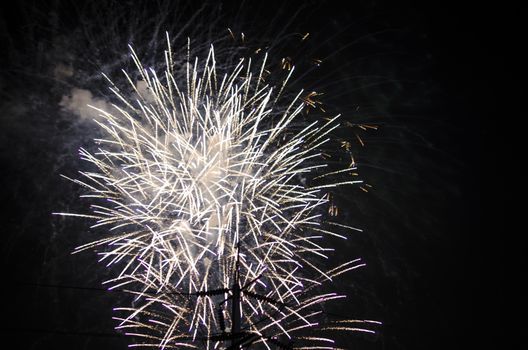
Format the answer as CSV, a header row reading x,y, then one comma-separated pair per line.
x,y
430,76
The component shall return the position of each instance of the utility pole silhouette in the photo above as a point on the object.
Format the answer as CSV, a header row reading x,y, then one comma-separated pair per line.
x,y
236,316
237,338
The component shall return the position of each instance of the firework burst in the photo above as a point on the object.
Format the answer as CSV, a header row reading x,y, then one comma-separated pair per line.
x,y
210,188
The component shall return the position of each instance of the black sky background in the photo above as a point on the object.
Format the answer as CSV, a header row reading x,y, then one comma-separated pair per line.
x,y
435,239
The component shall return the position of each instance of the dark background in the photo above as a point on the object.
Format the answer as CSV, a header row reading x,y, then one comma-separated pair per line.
x,y
434,77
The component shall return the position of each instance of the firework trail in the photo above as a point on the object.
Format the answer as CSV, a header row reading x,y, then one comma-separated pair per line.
x,y
213,191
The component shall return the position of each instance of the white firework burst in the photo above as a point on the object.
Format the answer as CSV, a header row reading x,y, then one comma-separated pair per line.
x,y
204,184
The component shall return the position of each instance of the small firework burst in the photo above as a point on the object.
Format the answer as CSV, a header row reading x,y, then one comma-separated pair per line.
x,y
208,186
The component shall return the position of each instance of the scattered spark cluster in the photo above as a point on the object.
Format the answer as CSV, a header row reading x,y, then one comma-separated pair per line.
x,y
205,181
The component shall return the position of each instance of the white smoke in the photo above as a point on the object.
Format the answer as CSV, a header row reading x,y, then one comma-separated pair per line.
x,y
79,102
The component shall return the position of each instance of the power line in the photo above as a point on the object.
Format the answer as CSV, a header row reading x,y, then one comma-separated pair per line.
x,y
10,330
